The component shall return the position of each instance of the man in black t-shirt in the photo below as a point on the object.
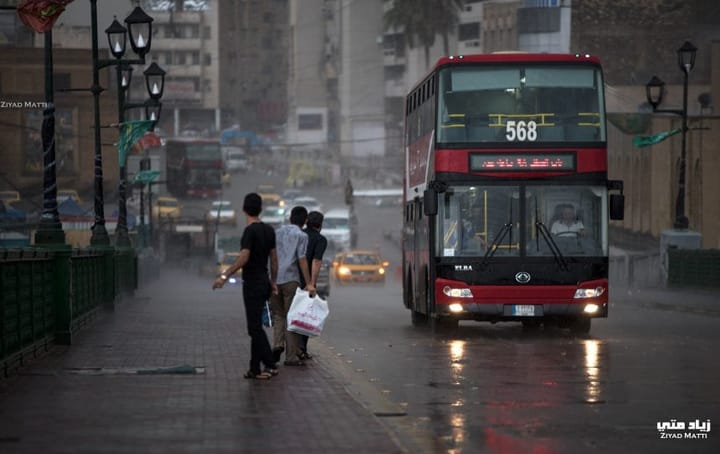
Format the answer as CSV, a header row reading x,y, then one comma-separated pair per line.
x,y
257,245
317,244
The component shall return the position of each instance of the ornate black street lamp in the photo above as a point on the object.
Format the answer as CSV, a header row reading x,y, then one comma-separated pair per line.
x,y
140,27
654,92
155,83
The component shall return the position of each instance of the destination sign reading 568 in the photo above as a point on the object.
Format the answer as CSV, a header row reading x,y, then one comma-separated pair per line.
x,y
522,162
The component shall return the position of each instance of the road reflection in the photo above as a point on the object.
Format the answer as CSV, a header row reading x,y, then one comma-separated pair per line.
x,y
593,389
503,385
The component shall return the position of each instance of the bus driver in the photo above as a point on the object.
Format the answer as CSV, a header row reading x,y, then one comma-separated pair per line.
x,y
568,224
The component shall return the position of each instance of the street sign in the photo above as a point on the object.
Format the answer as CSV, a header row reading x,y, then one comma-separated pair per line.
x,y
146,176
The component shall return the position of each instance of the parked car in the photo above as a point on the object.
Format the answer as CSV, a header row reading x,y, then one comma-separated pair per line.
x,y
64,194
359,266
323,279
268,194
310,203
273,215
227,260
10,215
9,197
166,207
288,197
222,211
340,227
236,160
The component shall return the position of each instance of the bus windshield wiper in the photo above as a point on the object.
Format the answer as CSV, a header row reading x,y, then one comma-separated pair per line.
x,y
496,242
541,228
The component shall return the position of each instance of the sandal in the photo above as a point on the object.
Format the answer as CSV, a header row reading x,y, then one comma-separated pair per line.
x,y
305,356
294,363
272,371
265,375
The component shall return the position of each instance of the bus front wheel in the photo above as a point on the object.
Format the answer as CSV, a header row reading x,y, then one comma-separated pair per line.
x,y
418,318
443,324
581,325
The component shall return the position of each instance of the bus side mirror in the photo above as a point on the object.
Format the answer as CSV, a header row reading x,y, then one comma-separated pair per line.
x,y
430,202
617,207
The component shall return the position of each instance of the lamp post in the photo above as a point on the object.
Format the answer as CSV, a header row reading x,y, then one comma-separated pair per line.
x,y
139,29
140,26
654,92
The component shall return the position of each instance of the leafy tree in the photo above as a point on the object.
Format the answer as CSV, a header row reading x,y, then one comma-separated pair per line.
x,y
423,20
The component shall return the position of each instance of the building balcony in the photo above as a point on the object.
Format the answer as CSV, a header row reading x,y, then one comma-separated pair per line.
x,y
395,89
391,58
185,70
170,44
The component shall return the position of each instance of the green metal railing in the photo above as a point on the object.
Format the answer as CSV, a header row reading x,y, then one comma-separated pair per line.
x,y
27,312
697,268
46,295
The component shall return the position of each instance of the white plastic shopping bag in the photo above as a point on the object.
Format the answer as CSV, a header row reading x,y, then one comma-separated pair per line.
x,y
307,314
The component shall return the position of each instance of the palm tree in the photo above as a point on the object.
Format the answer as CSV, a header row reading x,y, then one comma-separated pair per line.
x,y
423,20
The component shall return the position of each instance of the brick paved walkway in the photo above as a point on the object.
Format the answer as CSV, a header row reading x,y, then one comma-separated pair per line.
x,y
87,398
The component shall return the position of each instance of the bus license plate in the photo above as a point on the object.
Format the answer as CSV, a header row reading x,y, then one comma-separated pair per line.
x,y
523,310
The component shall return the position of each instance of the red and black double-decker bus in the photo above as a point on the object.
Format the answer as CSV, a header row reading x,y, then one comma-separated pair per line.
x,y
194,167
506,191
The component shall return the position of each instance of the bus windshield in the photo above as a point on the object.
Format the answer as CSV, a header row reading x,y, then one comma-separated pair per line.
x,y
565,219
520,103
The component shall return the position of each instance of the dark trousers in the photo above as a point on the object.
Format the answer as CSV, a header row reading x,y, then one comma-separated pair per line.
x,y
254,295
303,343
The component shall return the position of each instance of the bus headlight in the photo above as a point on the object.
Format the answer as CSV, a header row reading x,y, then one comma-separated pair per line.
x,y
232,280
589,292
591,308
455,308
381,270
457,292
344,271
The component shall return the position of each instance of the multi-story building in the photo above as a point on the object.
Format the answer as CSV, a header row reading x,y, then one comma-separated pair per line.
x,y
253,64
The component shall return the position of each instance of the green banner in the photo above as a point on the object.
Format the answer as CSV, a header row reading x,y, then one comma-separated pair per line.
x,y
130,132
146,176
646,141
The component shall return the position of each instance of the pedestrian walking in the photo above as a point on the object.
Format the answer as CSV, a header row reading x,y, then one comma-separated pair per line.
x,y
292,263
317,244
257,248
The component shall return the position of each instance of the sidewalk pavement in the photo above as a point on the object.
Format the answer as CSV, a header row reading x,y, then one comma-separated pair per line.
x,y
163,373
704,301
697,301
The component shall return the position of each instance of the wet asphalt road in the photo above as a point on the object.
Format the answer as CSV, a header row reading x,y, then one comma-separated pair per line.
x,y
495,388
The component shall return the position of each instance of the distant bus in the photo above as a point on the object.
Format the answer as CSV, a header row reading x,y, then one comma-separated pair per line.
x,y
506,192
194,167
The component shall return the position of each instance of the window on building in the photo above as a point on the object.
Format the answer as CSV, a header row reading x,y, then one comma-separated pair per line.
x,y
208,60
192,31
207,33
196,58
310,121
469,31
179,58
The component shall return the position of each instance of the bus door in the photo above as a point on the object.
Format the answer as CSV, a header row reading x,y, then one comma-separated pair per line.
x,y
421,258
